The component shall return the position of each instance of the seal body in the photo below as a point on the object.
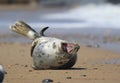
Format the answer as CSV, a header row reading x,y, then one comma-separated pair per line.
x,y
48,52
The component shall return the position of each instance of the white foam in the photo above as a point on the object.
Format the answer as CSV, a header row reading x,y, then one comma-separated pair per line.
x,y
103,16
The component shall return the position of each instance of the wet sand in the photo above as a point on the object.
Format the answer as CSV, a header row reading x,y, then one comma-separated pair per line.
x,y
91,66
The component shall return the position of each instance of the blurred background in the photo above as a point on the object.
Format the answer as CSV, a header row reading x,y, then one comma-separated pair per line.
x,y
94,23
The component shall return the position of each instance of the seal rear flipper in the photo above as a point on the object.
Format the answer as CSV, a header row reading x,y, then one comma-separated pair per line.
x,y
24,29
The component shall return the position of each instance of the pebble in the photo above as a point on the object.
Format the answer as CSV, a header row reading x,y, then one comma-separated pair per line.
x,y
47,81
83,75
30,70
95,68
69,77
66,72
26,65
58,82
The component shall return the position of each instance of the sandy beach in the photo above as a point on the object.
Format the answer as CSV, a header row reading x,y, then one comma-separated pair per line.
x,y
94,65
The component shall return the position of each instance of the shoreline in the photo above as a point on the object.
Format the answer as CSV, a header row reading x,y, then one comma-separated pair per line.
x,y
107,43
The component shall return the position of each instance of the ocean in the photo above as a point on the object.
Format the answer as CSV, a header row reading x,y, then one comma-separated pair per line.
x,y
89,24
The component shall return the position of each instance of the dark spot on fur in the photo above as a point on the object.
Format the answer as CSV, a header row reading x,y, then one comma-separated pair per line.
x,y
39,44
43,53
41,61
54,45
56,57
60,62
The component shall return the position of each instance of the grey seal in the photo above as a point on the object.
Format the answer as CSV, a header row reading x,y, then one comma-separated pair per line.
x,y
48,52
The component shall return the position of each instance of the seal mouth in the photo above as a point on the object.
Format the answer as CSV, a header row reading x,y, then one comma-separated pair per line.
x,y
70,48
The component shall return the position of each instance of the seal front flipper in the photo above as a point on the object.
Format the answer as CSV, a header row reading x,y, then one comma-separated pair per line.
x,y
24,29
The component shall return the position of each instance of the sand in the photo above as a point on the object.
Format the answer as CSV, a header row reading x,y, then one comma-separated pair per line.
x,y
94,65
